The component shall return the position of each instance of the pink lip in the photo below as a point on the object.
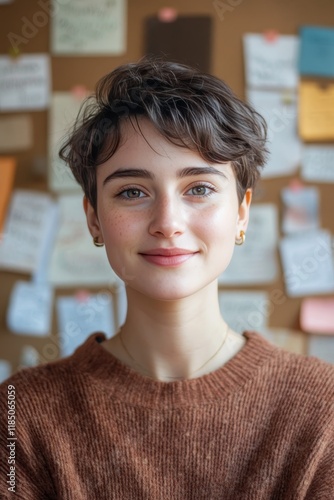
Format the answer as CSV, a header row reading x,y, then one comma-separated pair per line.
x,y
167,256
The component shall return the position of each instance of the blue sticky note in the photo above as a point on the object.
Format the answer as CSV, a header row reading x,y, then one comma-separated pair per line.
x,y
316,51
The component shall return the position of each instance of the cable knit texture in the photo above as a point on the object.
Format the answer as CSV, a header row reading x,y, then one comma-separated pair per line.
x,y
88,427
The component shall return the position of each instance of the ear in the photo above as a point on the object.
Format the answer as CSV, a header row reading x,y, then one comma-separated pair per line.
x,y
243,213
92,219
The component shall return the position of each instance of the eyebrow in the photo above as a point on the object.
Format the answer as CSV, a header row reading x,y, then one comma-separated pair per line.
x,y
146,174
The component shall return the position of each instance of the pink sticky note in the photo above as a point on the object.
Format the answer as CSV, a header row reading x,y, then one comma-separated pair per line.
x,y
317,315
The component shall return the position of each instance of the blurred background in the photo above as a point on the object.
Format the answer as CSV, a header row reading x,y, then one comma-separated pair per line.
x,y
56,287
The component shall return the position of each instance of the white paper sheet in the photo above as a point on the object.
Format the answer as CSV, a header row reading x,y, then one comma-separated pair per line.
x,y
75,260
5,370
280,113
244,310
301,209
81,27
80,316
255,262
63,112
30,309
24,82
322,347
26,227
271,64
307,261
318,163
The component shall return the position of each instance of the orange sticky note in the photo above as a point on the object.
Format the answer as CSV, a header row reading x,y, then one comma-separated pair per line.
x,y
316,111
317,315
7,171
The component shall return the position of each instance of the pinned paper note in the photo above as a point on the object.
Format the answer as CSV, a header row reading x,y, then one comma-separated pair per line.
x,y
317,315
317,51
7,172
245,310
5,370
307,260
255,261
30,308
64,109
81,315
26,227
280,112
318,163
271,64
322,347
24,82
80,29
301,209
316,111
15,133
75,260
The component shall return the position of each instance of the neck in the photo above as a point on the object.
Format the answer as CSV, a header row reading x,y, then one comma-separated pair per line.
x,y
172,339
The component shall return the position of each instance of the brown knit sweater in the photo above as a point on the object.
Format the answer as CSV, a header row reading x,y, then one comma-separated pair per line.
x,y
88,427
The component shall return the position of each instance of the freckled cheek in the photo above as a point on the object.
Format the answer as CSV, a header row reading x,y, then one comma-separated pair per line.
x,y
118,228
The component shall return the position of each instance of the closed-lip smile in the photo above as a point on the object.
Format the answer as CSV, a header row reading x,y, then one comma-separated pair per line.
x,y
167,252
168,257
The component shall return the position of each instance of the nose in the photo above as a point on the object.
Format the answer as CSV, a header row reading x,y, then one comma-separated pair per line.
x,y
168,217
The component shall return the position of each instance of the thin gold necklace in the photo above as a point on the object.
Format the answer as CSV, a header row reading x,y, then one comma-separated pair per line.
x,y
179,378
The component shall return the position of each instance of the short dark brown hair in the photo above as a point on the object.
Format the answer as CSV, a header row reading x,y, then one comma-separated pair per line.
x,y
189,108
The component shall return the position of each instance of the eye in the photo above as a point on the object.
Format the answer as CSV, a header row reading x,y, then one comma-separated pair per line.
x,y
201,190
131,193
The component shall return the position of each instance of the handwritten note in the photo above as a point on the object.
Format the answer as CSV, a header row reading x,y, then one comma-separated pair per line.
x,y
82,315
317,51
255,261
25,229
316,111
271,64
30,309
301,209
75,260
308,263
244,310
7,172
82,28
280,111
63,112
24,82
318,163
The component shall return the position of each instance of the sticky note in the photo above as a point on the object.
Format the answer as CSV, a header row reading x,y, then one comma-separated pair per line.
x,y
316,111
7,172
317,51
317,315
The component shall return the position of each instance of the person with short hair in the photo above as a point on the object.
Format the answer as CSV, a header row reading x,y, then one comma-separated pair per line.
x,y
176,405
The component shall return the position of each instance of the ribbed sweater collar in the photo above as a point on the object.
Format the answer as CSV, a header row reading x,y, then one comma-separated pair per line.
x,y
128,386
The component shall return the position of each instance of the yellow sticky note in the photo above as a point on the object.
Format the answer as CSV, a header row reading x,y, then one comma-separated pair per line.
x,y
316,111
7,171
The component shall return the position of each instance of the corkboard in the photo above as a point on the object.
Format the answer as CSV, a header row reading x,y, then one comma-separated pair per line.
x,y
230,20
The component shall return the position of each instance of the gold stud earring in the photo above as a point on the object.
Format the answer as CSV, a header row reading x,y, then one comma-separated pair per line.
x,y
96,242
241,239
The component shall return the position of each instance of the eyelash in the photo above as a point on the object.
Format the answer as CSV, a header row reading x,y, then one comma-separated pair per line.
x,y
211,189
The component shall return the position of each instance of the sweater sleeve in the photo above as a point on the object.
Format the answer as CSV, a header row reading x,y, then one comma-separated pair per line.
x,y
23,468
322,484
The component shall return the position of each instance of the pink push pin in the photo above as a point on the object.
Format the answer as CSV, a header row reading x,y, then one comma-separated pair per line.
x,y
79,91
167,14
271,36
82,296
